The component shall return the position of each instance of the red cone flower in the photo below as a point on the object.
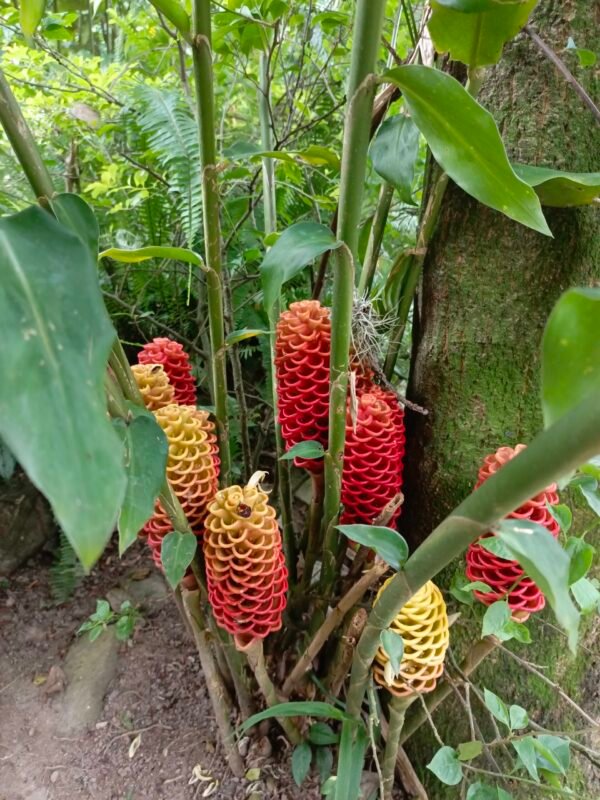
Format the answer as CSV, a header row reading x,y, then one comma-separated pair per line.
x,y
507,579
245,568
176,364
302,370
372,474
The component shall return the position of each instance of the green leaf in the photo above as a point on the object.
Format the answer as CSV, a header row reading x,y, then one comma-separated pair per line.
x,y
7,462
547,564
495,618
562,514
146,451
393,644
457,590
56,338
477,586
31,13
175,13
176,553
353,745
387,543
324,762
394,153
103,611
555,753
476,36
446,766
75,214
320,733
570,352
465,142
475,6
496,546
297,246
301,758
481,791
586,595
582,556
515,630
296,709
124,627
526,751
502,795
138,254
519,718
587,58
469,750
497,707
561,189
589,489
235,337
96,632
310,449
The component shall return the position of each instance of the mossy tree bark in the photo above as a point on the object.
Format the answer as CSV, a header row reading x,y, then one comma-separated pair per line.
x,y
487,289
489,284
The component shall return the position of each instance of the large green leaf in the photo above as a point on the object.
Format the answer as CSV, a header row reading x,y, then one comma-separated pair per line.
x,y
353,745
56,337
145,253
74,213
297,246
387,543
176,554
175,13
394,153
546,563
146,450
298,708
571,352
561,189
465,142
31,13
476,34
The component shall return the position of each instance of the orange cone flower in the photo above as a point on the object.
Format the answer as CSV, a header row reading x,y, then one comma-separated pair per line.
x,y
302,369
191,471
245,568
506,578
423,625
176,362
154,385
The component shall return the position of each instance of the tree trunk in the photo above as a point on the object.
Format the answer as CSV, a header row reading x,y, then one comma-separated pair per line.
x,y
487,289
489,283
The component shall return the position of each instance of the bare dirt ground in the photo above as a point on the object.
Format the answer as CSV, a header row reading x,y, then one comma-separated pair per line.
x,y
155,725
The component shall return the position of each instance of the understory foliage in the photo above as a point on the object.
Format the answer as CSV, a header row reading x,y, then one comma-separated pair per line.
x,y
206,326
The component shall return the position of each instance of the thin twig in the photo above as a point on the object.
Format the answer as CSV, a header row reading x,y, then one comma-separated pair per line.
x,y
564,70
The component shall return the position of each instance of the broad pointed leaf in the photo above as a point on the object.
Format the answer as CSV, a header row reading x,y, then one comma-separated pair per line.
x,y
308,449
31,13
146,451
301,758
387,543
571,352
476,35
465,141
561,189
394,153
446,766
176,553
75,214
298,708
145,253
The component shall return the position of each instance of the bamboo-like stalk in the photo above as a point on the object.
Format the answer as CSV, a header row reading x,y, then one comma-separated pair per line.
x,y
205,103
219,697
270,214
382,210
361,91
256,659
556,451
23,144
473,659
398,706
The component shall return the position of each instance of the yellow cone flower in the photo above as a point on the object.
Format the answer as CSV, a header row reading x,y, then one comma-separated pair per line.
x,y
154,385
423,625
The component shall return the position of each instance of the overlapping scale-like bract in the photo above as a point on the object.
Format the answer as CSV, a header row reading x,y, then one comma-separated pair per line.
x,y
176,363
154,385
191,471
302,369
506,578
245,568
423,625
372,474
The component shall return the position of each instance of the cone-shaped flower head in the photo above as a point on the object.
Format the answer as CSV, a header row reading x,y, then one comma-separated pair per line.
x,y
302,368
372,474
176,363
245,568
423,625
191,471
506,578
154,385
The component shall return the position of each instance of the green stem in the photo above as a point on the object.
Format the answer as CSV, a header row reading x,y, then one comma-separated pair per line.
x,y
314,530
398,706
23,144
205,103
553,453
375,239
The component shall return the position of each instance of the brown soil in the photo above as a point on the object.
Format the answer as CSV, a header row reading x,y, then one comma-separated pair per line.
x,y
158,693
